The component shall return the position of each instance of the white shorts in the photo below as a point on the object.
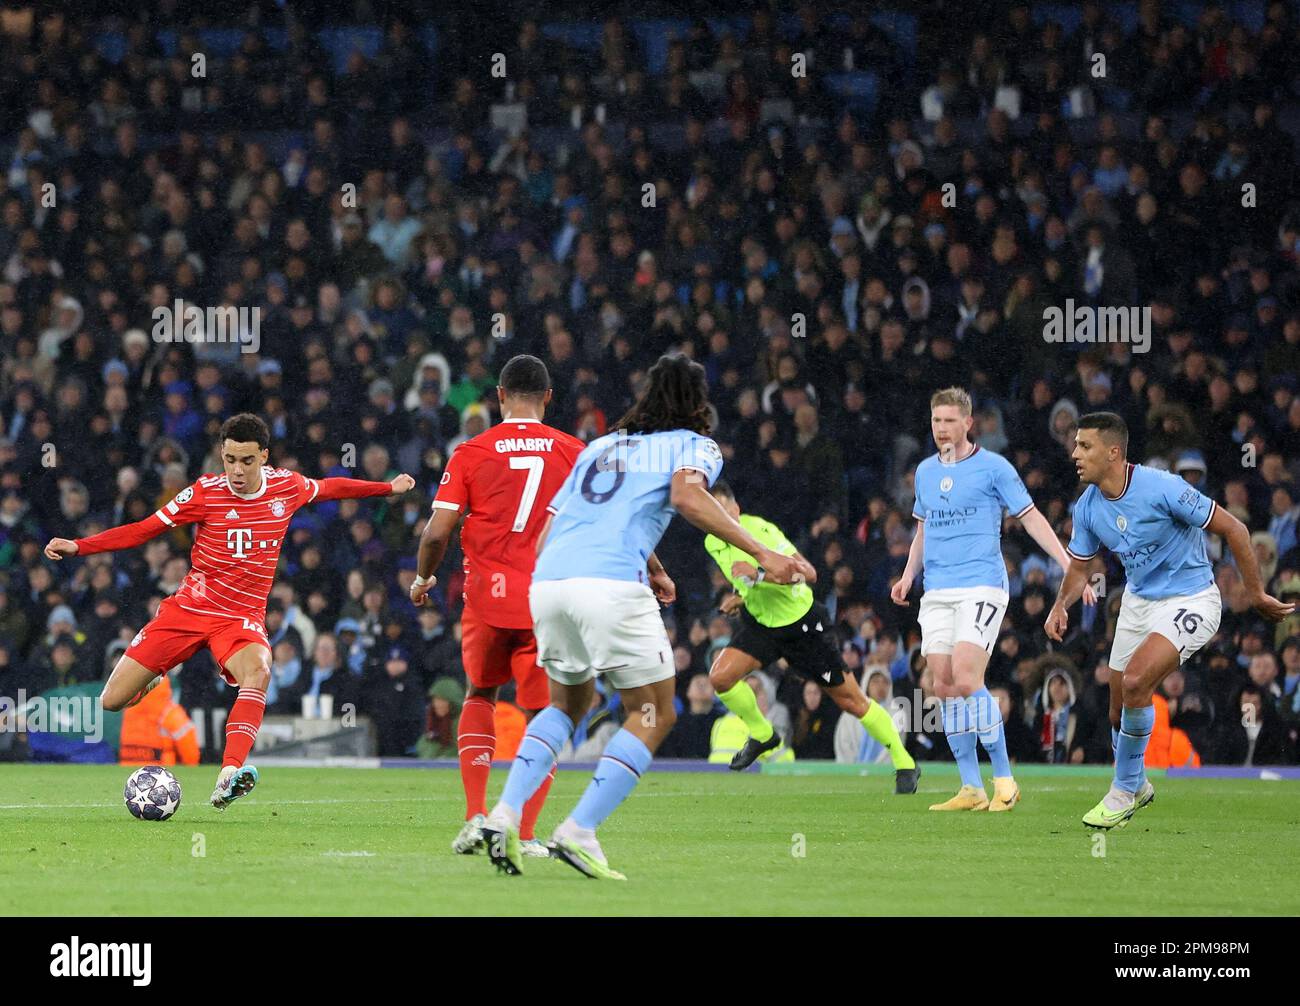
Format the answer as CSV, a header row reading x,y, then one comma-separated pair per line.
x,y
587,626
961,615
1189,622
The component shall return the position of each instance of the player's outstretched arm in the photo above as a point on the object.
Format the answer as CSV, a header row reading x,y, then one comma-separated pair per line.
x,y
434,540
903,586
57,548
692,499
115,538
339,488
1072,587
1237,536
1036,524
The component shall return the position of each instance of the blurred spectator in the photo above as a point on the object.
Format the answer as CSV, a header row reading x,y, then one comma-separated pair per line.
x,y
393,697
1056,721
1252,732
1021,744
690,736
441,719
814,724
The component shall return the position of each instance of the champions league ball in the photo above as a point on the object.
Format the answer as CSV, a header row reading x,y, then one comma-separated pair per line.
x,y
152,793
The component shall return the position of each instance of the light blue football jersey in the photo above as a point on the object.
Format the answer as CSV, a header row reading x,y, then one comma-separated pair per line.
x,y
613,508
961,503
1155,527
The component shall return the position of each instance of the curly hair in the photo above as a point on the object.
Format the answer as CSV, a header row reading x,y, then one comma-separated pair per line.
x,y
245,428
676,397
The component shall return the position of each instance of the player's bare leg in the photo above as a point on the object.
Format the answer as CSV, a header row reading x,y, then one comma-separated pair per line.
x,y
849,696
1153,661
127,685
501,829
650,717
650,712
969,796
727,675
250,666
940,667
573,700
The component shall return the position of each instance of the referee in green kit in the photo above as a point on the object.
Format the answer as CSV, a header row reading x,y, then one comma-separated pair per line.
x,y
778,621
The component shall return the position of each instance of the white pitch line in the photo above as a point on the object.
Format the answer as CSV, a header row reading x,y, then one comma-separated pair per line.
x,y
251,803
265,802
677,794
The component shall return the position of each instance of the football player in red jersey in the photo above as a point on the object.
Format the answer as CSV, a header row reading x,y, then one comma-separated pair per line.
x,y
242,517
500,483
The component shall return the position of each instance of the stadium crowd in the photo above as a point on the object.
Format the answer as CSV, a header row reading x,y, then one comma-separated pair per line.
x,y
830,262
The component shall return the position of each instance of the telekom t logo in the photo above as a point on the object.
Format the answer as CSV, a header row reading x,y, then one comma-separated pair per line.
x,y
238,539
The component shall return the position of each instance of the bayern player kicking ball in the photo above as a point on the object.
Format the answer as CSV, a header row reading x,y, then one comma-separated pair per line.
x,y
961,494
1154,523
499,482
242,516
595,601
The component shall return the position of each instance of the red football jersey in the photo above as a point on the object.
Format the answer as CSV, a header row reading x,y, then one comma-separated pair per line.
x,y
501,481
237,542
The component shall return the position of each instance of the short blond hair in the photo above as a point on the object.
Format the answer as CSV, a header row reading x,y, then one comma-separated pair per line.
x,y
952,396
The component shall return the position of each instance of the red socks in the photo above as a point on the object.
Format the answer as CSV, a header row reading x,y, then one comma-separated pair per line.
x,y
476,740
533,807
242,725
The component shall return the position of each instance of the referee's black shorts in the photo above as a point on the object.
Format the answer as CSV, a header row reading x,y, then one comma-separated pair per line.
x,y
807,645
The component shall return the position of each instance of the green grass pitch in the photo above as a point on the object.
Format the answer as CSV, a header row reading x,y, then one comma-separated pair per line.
x,y
375,842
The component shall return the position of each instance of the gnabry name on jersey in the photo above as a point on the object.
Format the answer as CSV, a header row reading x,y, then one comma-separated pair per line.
x,y
508,444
